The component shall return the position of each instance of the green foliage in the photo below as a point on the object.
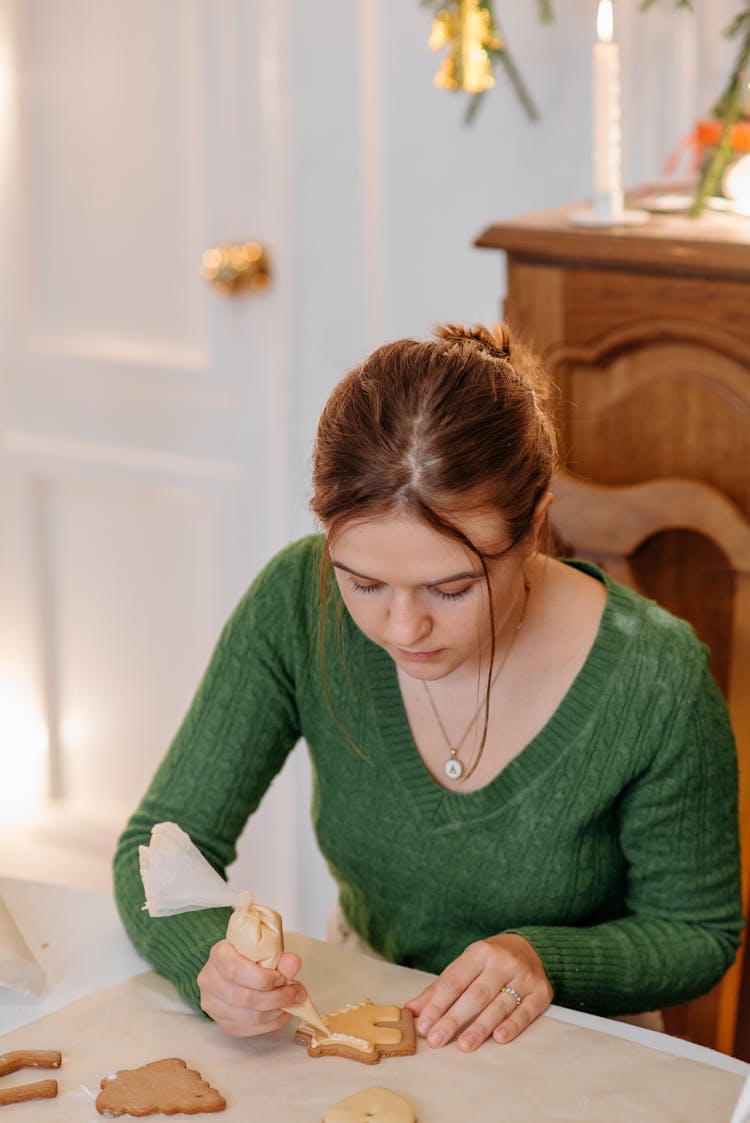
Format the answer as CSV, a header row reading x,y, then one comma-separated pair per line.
x,y
729,108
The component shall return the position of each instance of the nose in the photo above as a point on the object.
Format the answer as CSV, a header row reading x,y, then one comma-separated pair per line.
x,y
408,623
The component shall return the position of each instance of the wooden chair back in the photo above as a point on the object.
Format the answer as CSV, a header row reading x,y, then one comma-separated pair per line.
x,y
611,526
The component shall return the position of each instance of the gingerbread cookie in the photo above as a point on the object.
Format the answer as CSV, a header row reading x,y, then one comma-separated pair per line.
x,y
165,1087
374,1105
29,1058
362,1032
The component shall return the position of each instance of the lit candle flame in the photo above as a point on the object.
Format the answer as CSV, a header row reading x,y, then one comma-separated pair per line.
x,y
605,21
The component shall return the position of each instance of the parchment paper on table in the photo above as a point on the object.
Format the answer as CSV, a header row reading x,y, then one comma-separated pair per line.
x,y
362,1032
375,1105
177,878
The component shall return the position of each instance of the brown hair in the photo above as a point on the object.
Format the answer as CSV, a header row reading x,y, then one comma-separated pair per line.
x,y
432,429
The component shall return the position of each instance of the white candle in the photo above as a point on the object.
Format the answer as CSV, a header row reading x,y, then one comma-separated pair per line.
x,y
608,199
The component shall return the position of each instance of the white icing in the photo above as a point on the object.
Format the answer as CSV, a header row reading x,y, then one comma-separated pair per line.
x,y
345,1039
362,1044
351,1006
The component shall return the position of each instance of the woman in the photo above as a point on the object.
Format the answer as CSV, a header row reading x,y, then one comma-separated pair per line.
x,y
524,774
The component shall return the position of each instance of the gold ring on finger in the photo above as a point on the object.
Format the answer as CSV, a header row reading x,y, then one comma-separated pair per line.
x,y
514,992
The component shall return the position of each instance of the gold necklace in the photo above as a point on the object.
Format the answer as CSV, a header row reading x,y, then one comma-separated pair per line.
x,y
453,767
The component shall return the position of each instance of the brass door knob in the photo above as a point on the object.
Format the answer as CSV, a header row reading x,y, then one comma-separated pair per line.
x,y
242,267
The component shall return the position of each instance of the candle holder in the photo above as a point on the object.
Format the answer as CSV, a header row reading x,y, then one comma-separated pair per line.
x,y
606,212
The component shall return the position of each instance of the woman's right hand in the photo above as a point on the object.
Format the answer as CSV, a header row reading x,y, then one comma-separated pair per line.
x,y
244,998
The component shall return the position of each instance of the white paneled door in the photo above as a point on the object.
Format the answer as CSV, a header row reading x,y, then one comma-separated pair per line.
x,y
145,422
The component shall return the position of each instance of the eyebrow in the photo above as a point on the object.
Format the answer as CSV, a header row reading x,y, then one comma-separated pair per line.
x,y
463,576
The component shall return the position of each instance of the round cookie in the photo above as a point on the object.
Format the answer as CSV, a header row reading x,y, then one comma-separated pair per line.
x,y
373,1105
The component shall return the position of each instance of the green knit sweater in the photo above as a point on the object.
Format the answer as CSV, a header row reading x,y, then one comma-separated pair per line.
x,y
610,842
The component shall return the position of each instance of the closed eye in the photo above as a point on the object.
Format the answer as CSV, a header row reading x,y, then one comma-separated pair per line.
x,y
450,596
363,588
443,594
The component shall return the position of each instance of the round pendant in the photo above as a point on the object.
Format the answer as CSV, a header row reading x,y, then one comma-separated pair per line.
x,y
453,768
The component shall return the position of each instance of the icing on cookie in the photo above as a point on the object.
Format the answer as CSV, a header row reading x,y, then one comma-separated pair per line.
x,y
373,1105
357,1026
343,1039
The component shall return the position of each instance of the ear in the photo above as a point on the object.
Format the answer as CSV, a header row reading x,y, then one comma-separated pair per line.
x,y
540,515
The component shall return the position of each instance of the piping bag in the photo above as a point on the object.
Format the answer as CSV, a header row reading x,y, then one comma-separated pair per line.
x,y
177,878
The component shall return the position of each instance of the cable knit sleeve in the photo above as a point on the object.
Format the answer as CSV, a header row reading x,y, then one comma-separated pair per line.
x,y
237,733
679,834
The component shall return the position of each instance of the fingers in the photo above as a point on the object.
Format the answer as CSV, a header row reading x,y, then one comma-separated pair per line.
x,y
418,1003
289,965
505,1018
242,1023
458,994
516,1022
244,998
477,995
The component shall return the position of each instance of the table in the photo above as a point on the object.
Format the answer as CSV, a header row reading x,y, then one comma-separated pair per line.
x,y
79,941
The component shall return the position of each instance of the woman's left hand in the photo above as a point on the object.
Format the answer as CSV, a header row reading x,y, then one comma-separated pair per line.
x,y
475,996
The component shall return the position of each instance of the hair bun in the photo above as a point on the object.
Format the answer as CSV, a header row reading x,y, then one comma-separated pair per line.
x,y
497,340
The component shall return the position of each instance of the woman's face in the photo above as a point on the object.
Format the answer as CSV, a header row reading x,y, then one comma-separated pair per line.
x,y
421,595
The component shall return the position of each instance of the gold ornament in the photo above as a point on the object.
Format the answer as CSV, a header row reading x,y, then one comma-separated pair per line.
x,y
466,28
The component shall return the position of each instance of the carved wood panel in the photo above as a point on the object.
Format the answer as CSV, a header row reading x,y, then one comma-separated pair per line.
x,y
662,399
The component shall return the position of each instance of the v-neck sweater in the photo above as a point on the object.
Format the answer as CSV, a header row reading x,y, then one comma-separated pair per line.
x,y
610,842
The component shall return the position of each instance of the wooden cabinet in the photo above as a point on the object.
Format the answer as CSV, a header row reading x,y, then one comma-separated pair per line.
x,y
646,333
